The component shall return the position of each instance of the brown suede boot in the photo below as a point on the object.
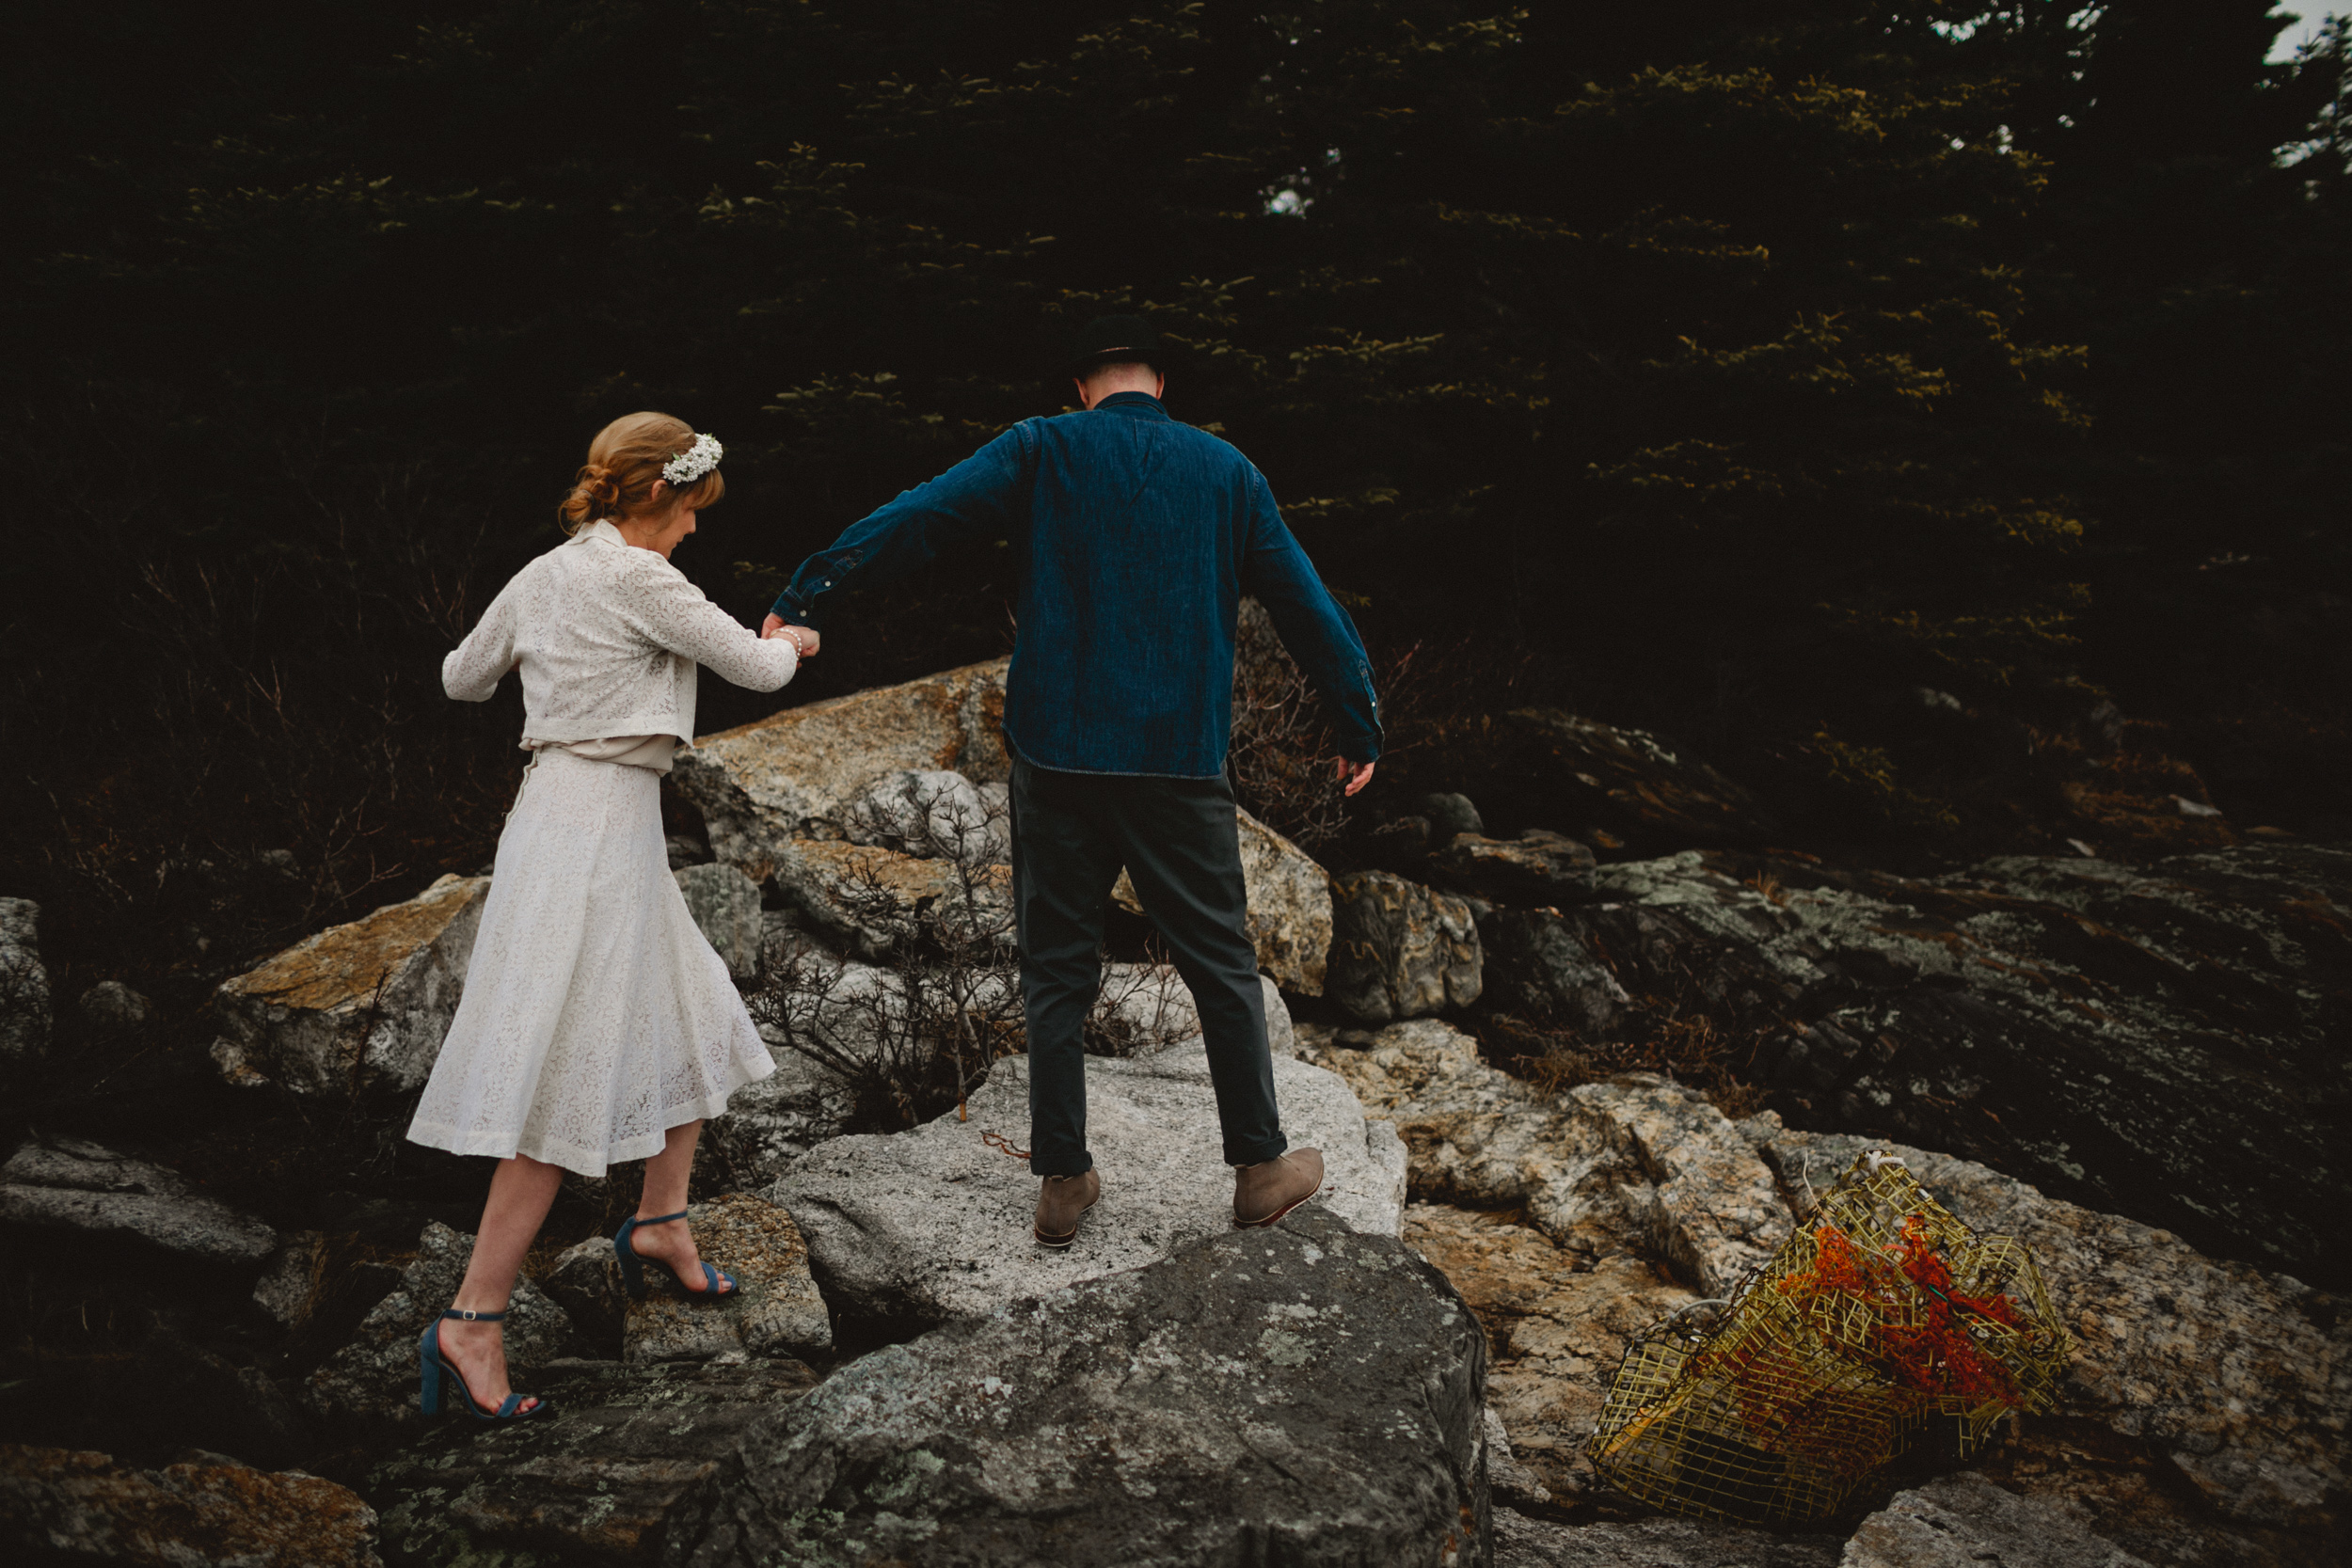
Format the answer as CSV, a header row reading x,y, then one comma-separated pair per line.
x,y
1060,1200
1264,1193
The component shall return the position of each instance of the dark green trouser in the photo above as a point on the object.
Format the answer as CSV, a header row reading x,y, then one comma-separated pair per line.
x,y
1177,839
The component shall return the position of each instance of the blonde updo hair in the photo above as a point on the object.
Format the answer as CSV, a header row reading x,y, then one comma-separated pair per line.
x,y
625,463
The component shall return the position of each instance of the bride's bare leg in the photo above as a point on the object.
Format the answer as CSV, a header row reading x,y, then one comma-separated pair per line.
x,y
666,1176
520,1191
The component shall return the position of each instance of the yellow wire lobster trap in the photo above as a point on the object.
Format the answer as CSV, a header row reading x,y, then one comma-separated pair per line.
x,y
1881,1323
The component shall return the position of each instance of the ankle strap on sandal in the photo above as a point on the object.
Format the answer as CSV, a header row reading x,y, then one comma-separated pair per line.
x,y
665,1219
463,1316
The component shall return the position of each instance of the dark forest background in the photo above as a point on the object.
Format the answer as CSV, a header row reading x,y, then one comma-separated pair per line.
x,y
1935,413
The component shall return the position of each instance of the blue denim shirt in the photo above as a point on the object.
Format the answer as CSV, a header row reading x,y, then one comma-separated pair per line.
x,y
1138,537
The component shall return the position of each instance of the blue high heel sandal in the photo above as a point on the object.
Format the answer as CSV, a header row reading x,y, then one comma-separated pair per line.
x,y
633,1267
438,1370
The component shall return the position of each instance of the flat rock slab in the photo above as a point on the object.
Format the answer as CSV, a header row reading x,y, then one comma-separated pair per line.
x,y
775,1307
85,1508
369,1001
67,1184
191,1226
1523,1543
1536,868
373,1379
1964,1521
934,1225
1303,1395
597,1483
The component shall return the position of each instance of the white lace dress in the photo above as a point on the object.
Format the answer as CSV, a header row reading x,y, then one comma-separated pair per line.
x,y
595,1016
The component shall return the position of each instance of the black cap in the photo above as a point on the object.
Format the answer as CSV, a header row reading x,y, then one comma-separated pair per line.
x,y
1114,339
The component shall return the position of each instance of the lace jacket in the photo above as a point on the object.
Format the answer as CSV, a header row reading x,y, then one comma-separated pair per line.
x,y
606,637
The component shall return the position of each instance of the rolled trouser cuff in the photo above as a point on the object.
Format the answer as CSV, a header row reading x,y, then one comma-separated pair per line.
x,y
1256,1153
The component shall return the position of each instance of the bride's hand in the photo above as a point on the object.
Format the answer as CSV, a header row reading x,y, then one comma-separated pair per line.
x,y
804,639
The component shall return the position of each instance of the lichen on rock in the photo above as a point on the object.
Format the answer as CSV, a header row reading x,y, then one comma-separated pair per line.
x,y
363,1005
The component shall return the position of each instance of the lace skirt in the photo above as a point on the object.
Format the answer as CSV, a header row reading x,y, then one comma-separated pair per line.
x,y
594,1017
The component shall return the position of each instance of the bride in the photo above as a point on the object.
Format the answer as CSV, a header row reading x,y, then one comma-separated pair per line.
x,y
597,1024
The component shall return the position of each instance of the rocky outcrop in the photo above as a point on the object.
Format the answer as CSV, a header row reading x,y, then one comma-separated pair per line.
x,y
2241,1380
599,1484
2202,1420
1305,1394
726,906
67,1184
1290,906
829,800
1633,1165
1581,775
204,1513
1398,949
1964,1520
2150,1040
373,1380
799,774
363,1005
886,1246
25,1012
1524,1542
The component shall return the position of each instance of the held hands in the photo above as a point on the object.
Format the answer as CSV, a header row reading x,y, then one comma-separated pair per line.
x,y
804,639
1355,774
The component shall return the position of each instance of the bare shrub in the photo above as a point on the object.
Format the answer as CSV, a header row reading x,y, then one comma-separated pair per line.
x,y
1435,699
1280,755
907,1041
1674,1028
1141,1010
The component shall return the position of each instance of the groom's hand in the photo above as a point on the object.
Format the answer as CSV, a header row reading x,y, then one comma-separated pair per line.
x,y
768,629
1355,774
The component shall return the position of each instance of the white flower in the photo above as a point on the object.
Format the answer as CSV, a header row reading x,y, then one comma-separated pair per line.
x,y
694,462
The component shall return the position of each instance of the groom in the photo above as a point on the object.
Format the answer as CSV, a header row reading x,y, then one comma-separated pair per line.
x,y
1136,537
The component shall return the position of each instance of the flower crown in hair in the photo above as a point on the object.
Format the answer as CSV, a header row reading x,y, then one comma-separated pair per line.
x,y
694,462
